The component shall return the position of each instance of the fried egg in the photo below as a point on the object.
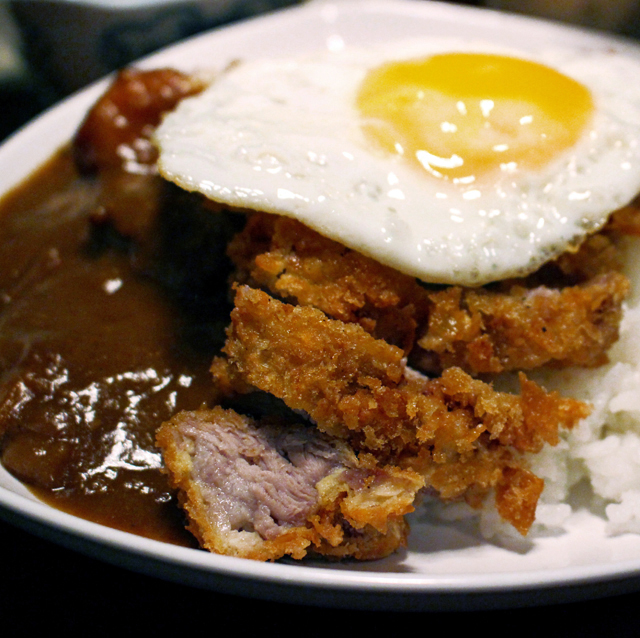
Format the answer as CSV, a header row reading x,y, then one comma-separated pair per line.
x,y
456,163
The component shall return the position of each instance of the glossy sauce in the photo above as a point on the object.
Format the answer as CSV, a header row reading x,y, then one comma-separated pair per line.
x,y
102,338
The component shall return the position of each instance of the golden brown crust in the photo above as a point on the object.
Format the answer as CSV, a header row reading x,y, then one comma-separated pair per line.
x,y
338,353
489,332
294,262
519,325
456,431
517,494
357,387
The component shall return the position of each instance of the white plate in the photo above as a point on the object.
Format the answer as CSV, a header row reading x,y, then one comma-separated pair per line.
x,y
444,567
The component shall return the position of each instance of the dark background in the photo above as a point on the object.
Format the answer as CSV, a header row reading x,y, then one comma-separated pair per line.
x,y
46,586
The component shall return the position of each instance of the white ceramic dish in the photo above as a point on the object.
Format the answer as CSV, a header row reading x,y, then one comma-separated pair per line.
x,y
445,567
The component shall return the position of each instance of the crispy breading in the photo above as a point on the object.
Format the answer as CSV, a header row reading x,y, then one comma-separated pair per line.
x,y
486,332
458,432
331,369
288,492
296,263
518,325
336,347
517,495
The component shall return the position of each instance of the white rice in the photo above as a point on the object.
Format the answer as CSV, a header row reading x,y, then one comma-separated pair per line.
x,y
603,452
597,464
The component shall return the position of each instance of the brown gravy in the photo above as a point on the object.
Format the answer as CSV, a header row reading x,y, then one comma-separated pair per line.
x,y
101,340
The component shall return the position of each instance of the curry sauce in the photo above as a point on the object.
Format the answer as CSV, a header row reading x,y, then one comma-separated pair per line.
x,y
102,338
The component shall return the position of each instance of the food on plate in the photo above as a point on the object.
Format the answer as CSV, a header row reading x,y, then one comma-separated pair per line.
x,y
105,291
427,208
458,433
261,490
480,330
117,130
550,154
328,327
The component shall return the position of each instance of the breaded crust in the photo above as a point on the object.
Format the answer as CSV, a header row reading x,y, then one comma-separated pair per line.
x,y
570,319
456,431
524,329
296,263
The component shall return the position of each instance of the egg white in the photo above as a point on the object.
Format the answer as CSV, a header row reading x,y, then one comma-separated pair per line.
x,y
284,136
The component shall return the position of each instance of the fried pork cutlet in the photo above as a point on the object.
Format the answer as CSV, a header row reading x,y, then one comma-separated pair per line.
x,y
335,349
457,432
525,328
489,330
265,490
295,263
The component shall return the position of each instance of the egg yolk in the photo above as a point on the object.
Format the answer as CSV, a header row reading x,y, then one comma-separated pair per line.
x,y
462,115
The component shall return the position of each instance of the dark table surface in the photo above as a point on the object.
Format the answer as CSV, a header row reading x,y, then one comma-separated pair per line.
x,y
46,585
